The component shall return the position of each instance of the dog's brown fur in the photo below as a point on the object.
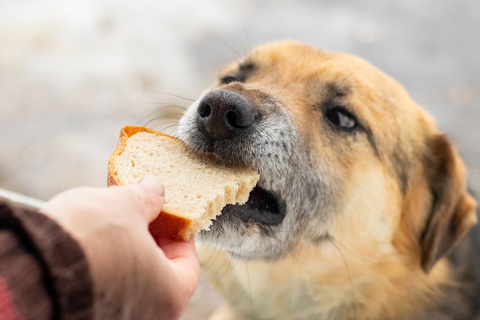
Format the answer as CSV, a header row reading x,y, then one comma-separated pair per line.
x,y
400,197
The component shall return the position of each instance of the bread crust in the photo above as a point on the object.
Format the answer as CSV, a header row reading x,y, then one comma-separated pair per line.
x,y
167,224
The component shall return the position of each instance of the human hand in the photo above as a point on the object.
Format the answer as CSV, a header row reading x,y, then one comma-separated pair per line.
x,y
132,277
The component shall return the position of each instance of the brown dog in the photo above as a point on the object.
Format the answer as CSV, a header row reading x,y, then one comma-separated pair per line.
x,y
360,197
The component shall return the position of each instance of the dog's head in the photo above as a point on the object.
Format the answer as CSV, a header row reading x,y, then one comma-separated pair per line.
x,y
343,154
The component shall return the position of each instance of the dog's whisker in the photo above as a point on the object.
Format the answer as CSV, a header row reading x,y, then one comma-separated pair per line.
x,y
230,267
170,123
292,250
246,33
169,107
285,245
161,120
330,238
356,255
204,264
228,46
167,119
208,245
354,304
216,257
172,132
170,94
292,81
226,264
219,71
163,104
164,117
275,100
186,105
218,253
249,287
161,109
351,74
290,231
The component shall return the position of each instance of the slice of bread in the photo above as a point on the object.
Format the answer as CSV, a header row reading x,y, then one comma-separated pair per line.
x,y
196,187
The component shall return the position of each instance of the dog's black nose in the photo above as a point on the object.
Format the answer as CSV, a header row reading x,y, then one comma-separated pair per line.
x,y
223,114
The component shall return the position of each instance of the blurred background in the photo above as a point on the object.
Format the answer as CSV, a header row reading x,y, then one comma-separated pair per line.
x,y
72,73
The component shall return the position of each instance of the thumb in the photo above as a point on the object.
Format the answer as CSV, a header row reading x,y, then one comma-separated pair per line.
x,y
154,193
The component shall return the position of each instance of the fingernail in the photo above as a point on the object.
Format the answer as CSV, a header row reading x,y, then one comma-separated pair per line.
x,y
154,185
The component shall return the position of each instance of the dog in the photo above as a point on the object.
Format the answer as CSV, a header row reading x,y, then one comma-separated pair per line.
x,y
361,210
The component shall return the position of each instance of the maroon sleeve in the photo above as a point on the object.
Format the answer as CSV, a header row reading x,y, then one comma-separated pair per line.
x,y
8,309
43,271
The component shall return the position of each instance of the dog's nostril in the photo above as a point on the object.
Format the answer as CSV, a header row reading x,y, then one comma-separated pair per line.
x,y
231,119
206,111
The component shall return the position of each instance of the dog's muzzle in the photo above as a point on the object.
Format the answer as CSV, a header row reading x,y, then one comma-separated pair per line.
x,y
224,115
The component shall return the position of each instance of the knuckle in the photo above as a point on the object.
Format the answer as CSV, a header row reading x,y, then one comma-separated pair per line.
x,y
140,198
137,194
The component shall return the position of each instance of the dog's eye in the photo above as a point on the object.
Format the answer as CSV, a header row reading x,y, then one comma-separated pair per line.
x,y
341,118
228,79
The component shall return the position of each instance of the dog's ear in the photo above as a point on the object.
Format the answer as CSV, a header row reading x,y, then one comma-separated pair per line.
x,y
453,210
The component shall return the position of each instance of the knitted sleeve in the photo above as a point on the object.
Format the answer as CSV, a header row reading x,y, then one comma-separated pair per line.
x,y
44,273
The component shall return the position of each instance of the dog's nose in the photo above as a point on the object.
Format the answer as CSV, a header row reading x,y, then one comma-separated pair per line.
x,y
223,114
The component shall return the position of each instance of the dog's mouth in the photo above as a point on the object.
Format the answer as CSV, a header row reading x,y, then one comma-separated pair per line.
x,y
262,206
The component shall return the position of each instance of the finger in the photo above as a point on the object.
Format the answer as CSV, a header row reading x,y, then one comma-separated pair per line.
x,y
183,258
155,192
177,249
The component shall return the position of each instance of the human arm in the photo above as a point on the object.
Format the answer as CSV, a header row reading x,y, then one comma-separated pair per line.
x,y
131,277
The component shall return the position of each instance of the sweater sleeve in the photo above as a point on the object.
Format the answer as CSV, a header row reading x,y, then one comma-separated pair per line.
x,y
44,273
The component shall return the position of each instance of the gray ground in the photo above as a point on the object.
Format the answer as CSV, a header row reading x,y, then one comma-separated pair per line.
x,y
72,73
